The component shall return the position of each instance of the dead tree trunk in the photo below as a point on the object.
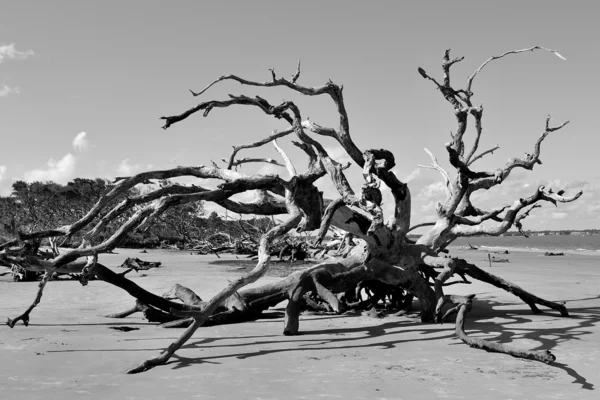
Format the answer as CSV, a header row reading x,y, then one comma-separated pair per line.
x,y
384,252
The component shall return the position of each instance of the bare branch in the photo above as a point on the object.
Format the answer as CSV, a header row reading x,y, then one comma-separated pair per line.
x,y
330,88
25,316
447,64
456,161
472,77
426,76
247,160
327,217
275,135
484,153
477,113
435,165
451,95
288,162
463,306
296,74
522,216
481,218
528,162
542,194
201,316
278,111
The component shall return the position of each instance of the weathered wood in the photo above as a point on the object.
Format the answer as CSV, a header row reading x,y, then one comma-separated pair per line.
x,y
383,253
463,306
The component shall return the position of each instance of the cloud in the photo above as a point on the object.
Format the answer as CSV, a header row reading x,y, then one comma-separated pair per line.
x,y
559,215
434,190
81,142
60,171
126,168
2,171
6,90
8,52
270,169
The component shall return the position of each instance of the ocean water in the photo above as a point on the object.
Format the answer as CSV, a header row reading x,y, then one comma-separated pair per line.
x,y
569,243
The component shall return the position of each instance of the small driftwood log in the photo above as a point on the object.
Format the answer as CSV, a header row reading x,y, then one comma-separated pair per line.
x,y
464,304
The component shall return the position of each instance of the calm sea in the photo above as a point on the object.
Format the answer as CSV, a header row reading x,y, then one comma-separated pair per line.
x,y
580,244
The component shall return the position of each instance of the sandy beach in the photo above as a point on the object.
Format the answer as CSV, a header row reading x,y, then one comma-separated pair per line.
x,y
69,350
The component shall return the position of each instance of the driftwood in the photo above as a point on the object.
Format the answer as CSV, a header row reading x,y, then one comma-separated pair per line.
x,y
464,304
372,247
137,265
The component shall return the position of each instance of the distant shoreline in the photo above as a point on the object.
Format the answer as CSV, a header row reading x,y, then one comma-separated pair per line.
x,y
580,245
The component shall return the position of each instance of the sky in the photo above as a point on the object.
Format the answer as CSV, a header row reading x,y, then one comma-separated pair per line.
x,y
83,84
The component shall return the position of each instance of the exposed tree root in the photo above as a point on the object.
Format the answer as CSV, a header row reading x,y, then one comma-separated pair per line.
x,y
530,299
463,305
25,316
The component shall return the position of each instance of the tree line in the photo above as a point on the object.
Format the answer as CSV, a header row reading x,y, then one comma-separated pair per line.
x,y
38,206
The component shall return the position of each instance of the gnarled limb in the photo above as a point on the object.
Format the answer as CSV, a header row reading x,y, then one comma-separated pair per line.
x,y
486,62
25,316
274,136
483,154
247,160
217,300
448,265
542,194
530,299
522,216
528,162
463,305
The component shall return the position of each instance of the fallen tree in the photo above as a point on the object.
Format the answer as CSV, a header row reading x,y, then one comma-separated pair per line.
x,y
378,250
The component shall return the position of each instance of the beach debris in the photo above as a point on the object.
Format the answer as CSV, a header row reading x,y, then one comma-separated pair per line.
x,y
123,328
494,259
464,304
135,264
551,254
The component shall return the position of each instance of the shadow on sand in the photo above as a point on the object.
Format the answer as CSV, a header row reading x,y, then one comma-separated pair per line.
x,y
480,323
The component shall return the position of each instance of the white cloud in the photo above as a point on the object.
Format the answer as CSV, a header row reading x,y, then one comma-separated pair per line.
x,y
126,168
60,171
435,190
81,142
9,52
245,197
6,90
271,169
2,171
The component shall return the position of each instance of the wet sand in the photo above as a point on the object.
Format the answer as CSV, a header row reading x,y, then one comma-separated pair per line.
x,y
69,350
